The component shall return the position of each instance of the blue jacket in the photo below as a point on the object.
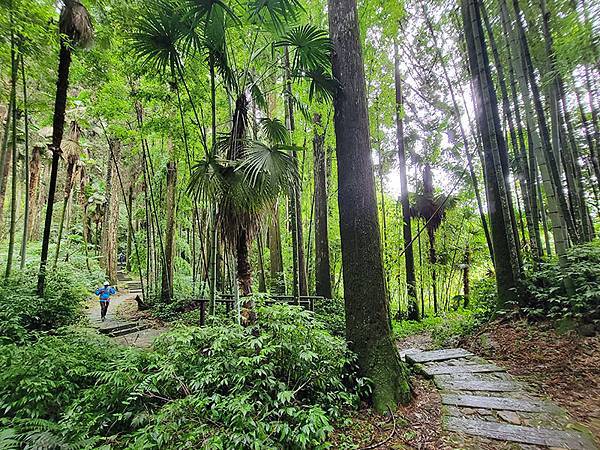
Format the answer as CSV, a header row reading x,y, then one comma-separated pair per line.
x,y
105,292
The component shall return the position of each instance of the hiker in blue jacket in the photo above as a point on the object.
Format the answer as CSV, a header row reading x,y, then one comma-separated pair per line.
x,y
104,294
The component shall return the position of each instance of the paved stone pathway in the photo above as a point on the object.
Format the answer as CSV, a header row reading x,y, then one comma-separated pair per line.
x,y
136,332
481,399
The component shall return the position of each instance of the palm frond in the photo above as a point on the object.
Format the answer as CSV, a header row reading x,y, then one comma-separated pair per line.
x,y
274,12
156,37
311,48
323,86
269,169
274,130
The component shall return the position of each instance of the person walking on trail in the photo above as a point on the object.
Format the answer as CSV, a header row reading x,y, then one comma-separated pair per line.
x,y
104,294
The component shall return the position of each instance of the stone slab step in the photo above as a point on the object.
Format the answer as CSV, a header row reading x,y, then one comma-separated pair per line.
x,y
462,368
127,331
123,326
437,355
477,385
516,433
499,403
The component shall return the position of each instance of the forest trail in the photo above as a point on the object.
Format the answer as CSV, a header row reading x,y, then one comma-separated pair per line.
x,y
480,399
122,321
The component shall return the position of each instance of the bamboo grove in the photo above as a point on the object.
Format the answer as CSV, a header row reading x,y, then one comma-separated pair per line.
x,y
204,140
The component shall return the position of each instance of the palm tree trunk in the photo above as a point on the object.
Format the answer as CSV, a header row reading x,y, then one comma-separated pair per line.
x,y
367,317
322,264
262,282
409,259
244,277
58,125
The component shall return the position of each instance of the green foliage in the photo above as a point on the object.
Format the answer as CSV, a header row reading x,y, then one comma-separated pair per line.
x,y
23,311
549,297
281,383
332,314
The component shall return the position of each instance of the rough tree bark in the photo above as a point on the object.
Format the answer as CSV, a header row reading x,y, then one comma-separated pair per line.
x,y
322,264
367,317
111,214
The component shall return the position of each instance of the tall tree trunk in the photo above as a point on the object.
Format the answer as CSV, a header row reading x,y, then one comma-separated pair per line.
x,y
36,170
517,143
505,252
58,125
111,213
465,276
559,231
130,233
546,143
322,264
262,282
13,196
367,317
300,281
25,169
5,157
170,230
457,115
275,253
409,260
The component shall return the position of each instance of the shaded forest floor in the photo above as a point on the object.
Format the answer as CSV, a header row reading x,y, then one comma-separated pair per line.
x,y
565,367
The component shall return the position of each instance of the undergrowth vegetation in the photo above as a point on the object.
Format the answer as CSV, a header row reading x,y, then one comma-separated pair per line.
x,y
281,383
568,292
22,311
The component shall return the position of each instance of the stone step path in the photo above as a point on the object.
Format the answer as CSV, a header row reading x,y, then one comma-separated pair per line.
x,y
118,323
480,399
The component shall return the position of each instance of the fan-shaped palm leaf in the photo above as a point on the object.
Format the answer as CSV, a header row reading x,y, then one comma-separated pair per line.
x,y
274,130
269,169
311,48
157,35
275,12
322,85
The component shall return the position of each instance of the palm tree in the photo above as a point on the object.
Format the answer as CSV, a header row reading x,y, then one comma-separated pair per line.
x,y
244,185
75,27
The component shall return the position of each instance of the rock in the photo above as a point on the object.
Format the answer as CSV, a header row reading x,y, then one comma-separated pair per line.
x,y
510,417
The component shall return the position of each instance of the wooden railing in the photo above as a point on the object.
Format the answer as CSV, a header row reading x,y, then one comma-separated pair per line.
x,y
306,301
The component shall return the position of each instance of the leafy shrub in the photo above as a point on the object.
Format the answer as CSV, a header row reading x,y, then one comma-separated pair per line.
x,y
549,297
278,384
331,313
23,311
